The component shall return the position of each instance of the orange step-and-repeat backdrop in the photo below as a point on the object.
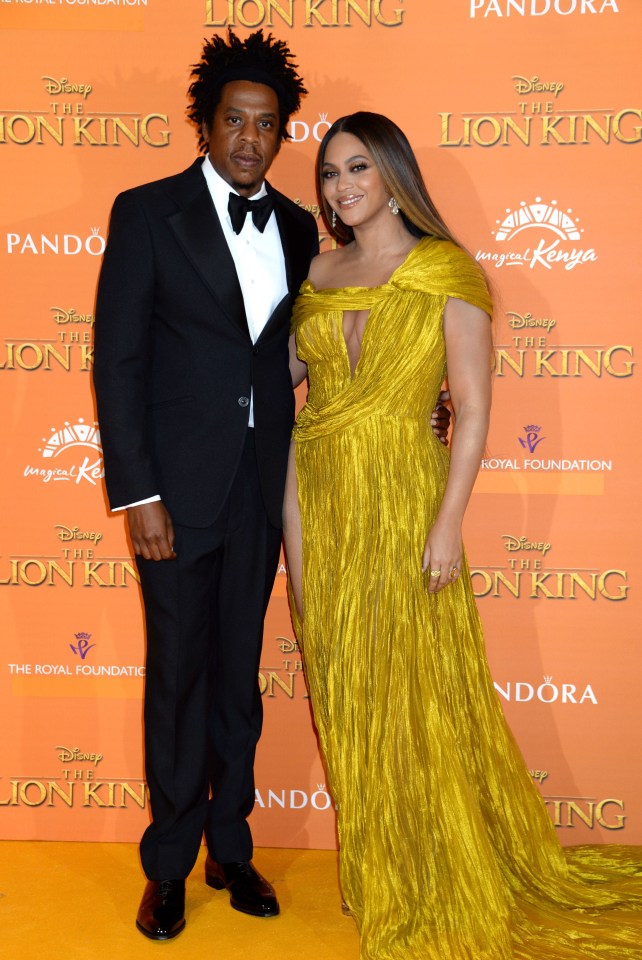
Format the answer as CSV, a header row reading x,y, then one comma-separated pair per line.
x,y
527,120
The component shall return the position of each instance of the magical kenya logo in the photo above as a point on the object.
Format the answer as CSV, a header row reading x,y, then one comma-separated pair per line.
x,y
538,234
72,453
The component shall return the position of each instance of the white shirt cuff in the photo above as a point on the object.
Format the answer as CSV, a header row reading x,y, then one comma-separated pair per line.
x,y
136,504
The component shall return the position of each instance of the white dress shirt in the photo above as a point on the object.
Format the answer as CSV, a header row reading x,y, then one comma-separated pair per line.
x,y
260,266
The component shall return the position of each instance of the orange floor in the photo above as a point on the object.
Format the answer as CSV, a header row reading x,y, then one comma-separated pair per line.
x,y
66,901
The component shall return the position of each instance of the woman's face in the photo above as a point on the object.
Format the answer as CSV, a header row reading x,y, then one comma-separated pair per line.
x,y
352,184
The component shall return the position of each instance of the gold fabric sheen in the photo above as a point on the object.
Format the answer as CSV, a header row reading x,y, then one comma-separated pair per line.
x,y
447,850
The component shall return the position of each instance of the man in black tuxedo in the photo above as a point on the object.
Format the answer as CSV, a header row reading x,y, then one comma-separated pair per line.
x,y
196,407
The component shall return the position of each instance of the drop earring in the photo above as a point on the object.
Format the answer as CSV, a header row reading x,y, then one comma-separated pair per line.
x,y
394,206
333,220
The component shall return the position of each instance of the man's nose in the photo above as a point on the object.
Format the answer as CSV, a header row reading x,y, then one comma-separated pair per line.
x,y
250,133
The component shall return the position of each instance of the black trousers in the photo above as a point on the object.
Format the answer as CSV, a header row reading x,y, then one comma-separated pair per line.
x,y
203,713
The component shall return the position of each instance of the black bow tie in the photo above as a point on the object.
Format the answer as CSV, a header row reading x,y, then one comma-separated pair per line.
x,y
261,210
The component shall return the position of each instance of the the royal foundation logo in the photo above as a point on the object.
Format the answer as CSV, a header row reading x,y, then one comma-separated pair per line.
x,y
83,644
70,454
540,117
308,13
538,234
80,5
78,785
539,8
529,441
530,573
67,121
530,350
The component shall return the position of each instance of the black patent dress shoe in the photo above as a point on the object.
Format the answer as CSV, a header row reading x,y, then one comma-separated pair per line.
x,y
249,891
161,914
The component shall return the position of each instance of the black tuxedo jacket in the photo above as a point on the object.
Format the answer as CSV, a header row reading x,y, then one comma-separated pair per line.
x,y
174,361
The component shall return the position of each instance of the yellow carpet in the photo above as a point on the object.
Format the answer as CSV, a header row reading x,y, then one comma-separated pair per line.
x,y
66,901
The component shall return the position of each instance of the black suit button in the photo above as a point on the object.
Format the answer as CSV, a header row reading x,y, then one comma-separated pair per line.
x,y
255,351
243,401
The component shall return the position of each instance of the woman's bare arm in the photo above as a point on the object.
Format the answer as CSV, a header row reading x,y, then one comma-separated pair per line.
x,y
467,332
298,369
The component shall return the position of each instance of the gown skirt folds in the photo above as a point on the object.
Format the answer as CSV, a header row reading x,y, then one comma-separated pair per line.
x,y
447,850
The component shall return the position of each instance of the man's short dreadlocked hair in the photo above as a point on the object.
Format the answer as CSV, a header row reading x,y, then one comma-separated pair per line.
x,y
258,58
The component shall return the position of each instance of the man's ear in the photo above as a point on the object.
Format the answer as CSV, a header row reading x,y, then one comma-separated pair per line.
x,y
205,131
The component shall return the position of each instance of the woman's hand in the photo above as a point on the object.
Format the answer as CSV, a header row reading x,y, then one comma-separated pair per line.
x,y
444,553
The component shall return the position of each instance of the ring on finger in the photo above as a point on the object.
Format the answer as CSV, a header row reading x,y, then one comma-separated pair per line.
x,y
435,573
454,572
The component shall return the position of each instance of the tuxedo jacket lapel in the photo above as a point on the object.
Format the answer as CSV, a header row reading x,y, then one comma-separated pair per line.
x,y
296,259
199,233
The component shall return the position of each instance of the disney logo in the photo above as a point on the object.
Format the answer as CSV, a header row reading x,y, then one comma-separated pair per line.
x,y
77,756
535,85
286,645
312,208
56,87
517,322
75,533
523,543
70,316
539,775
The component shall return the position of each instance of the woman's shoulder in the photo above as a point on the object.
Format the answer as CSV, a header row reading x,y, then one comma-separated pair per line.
x,y
436,251
442,267
324,268
439,259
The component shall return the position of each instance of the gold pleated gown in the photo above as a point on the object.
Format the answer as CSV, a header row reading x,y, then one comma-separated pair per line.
x,y
446,849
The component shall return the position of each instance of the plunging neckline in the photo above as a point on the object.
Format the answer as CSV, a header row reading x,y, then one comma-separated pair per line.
x,y
352,374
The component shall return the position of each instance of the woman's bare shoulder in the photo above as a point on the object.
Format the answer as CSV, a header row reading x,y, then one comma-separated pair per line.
x,y
326,267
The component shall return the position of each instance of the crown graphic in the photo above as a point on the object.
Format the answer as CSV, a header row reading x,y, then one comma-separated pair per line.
x,y
538,214
79,434
532,428
548,679
82,636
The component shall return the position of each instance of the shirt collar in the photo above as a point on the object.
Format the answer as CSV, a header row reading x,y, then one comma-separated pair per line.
x,y
220,190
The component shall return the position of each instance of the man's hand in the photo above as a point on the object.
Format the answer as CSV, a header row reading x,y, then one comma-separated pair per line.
x,y
440,418
152,531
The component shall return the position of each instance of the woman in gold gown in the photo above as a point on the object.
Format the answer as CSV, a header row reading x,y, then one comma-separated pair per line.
x,y
446,849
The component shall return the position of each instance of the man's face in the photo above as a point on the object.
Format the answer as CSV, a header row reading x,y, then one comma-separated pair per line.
x,y
243,138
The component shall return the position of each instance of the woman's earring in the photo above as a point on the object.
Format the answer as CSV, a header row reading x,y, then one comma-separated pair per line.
x,y
334,220
394,206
